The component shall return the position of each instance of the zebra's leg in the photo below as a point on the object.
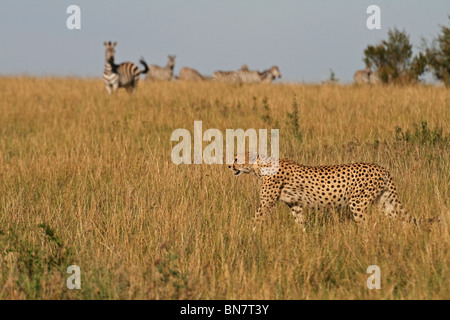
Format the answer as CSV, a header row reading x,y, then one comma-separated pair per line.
x,y
134,87
130,89
108,88
115,87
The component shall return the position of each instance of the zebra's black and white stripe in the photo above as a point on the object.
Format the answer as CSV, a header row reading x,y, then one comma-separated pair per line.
x,y
270,74
248,76
244,75
157,73
226,76
374,78
124,75
362,76
366,76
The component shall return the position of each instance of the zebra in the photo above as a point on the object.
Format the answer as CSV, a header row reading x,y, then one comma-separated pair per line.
x,y
189,74
374,78
226,76
247,76
270,74
362,76
267,76
366,76
124,75
157,73
244,68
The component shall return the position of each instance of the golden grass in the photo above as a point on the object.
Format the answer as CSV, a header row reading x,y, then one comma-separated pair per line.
x,y
87,179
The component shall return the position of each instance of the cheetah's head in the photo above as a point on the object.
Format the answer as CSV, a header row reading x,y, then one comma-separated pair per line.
x,y
251,163
243,163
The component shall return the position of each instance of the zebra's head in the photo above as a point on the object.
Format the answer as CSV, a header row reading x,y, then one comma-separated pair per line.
x,y
275,72
245,67
110,51
171,63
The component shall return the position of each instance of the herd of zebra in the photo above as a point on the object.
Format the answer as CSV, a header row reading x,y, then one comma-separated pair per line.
x,y
245,75
126,75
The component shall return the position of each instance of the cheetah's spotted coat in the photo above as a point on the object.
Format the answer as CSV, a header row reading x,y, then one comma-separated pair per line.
x,y
355,185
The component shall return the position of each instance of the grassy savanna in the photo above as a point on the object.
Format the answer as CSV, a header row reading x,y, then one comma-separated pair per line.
x,y
87,179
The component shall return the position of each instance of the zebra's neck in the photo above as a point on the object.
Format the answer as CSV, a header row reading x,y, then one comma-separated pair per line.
x,y
265,74
109,65
169,67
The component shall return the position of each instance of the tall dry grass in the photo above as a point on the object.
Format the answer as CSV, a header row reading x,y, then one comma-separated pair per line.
x,y
87,179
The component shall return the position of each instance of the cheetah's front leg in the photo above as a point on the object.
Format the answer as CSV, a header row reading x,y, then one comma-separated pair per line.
x,y
358,207
269,195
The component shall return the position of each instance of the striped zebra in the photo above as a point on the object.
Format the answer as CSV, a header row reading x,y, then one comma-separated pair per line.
x,y
189,74
247,76
374,78
362,76
366,76
226,76
157,73
267,76
124,75
270,75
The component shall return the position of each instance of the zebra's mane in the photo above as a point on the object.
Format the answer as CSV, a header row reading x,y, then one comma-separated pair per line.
x,y
111,60
266,74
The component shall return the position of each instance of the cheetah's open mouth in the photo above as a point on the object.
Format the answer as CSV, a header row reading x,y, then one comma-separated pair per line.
x,y
237,173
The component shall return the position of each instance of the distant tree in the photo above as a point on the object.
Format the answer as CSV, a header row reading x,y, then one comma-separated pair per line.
x,y
438,56
332,78
393,59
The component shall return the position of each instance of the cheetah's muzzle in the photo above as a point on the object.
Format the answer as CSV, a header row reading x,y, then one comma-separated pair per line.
x,y
235,172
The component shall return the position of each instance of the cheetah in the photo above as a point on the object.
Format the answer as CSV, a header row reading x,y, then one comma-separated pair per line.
x,y
355,185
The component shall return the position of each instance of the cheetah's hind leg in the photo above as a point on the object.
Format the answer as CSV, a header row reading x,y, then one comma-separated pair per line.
x,y
297,212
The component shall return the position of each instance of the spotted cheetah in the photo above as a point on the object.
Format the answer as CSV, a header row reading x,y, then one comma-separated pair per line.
x,y
356,185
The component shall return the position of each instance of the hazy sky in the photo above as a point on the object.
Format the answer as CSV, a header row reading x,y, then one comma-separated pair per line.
x,y
304,38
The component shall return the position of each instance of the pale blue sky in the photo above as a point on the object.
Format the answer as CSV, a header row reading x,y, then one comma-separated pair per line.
x,y
304,38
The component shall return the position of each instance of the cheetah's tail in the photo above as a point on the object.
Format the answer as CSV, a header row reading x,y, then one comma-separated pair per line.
x,y
404,215
430,220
